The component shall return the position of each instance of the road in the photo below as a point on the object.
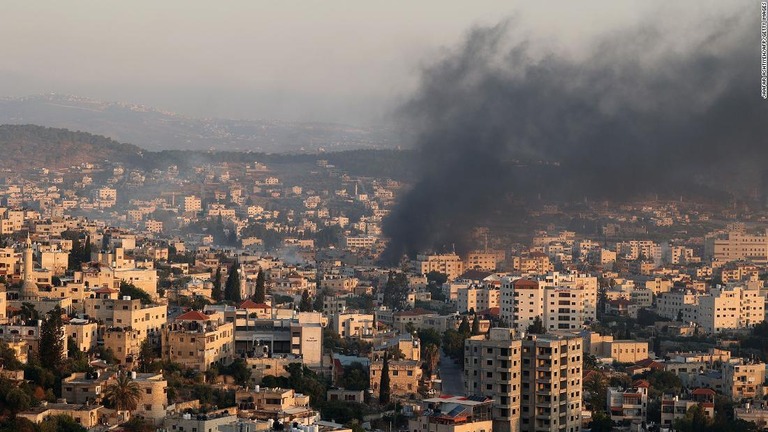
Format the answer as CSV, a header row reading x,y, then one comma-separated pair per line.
x,y
452,376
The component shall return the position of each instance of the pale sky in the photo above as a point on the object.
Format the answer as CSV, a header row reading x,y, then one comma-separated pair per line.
x,y
348,61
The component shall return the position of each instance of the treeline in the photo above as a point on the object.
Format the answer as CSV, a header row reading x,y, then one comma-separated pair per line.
x,y
25,145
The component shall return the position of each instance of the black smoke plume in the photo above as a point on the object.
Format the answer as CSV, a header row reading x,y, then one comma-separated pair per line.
x,y
493,122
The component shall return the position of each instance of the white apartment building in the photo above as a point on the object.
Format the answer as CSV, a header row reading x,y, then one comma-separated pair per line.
x,y
721,308
521,302
477,298
737,245
561,301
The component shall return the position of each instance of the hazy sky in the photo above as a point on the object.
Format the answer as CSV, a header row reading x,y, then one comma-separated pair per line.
x,y
346,61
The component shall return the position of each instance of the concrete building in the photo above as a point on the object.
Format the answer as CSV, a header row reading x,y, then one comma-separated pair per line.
x,y
743,379
754,414
737,245
199,341
477,298
675,407
449,264
354,325
585,284
404,377
493,368
484,260
86,416
210,421
725,308
521,302
124,342
551,383
621,351
454,414
535,382
629,404
192,204
283,405
563,308
83,332
148,319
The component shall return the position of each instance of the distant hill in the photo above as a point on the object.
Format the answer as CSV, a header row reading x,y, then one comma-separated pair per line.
x,y
24,147
155,129
27,147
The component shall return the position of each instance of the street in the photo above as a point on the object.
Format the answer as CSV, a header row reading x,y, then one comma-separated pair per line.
x,y
451,375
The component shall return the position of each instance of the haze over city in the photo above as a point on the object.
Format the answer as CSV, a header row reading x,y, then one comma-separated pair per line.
x,y
347,216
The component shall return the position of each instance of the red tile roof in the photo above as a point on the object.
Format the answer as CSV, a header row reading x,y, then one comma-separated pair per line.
x,y
250,304
193,316
703,391
526,283
104,290
642,383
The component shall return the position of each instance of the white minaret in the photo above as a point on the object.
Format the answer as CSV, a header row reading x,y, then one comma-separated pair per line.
x,y
29,289
28,260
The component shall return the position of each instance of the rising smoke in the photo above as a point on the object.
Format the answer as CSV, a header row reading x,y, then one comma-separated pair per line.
x,y
493,122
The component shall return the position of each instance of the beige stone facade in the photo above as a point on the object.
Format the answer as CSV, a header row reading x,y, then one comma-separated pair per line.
x,y
84,333
404,377
743,380
125,344
450,264
199,341
84,415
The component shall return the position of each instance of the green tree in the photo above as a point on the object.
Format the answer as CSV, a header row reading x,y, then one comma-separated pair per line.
x,y
476,326
123,393
355,377
384,386
147,355
396,290
429,336
216,293
52,340
138,424
317,303
601,422
240,371
453,343
130,290
464,328
305,305
260,296
8,358
16,400
28,312
61,423
537,327
596,392
437,277
695,420
232,287
431,358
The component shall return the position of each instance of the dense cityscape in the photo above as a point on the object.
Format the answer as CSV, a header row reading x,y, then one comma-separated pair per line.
x,y
450,217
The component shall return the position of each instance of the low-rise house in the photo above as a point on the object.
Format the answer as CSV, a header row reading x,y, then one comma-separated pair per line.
x,y
630,404
675,407
404,377
454,414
